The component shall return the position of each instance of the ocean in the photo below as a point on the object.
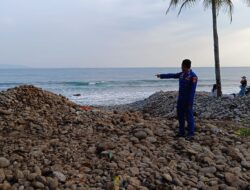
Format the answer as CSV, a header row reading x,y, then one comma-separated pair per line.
x,y
112,86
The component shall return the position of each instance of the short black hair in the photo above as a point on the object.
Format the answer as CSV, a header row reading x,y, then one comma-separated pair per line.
x,y
186,63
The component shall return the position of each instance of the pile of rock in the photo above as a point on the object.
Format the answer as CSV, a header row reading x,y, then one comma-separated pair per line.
x,y
47,142
206,107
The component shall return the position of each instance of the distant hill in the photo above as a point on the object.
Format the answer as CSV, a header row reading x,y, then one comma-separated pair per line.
x,y
9,66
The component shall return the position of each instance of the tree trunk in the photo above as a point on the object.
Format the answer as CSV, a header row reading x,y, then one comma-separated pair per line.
x,y
216,49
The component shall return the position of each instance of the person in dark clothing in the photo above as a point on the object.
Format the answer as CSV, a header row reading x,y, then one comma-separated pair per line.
x,y
243,86
187,86
214,91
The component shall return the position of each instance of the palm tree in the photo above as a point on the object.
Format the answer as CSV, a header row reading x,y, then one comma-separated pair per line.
x,y
216,5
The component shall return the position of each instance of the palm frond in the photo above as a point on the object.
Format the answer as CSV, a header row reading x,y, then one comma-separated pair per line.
x,y
173,3
183,3
186,3
207,4
247,2
228,7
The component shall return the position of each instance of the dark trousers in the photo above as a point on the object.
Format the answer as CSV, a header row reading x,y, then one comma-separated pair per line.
x,y
185,112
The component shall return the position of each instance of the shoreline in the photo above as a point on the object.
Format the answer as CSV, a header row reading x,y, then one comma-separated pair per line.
x,y
163,104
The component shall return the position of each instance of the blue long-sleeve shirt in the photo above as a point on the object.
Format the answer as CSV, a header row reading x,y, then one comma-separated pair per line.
x,y
187,85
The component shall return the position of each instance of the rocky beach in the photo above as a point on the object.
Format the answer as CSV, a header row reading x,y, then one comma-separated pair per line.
x,y
48,142
163,104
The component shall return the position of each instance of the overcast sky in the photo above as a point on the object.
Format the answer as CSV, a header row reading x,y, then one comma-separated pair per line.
x,y
118,33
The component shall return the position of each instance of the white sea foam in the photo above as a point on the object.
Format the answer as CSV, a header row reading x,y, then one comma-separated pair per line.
x,y
114,86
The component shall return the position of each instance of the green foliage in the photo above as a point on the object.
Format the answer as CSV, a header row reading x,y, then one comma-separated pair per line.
x,y
243,132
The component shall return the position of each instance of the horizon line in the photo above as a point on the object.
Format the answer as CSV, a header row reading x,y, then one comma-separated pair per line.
x,y
117,67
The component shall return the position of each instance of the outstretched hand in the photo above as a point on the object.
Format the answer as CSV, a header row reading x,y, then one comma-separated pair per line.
x,y
157,75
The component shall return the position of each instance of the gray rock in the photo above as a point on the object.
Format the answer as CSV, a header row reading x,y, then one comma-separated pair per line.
x,y
2,175
41,179
60,176
18,174
37,184
4,162
5,186
37,170
140,134
21,187
231,178
134,140
52,183
167,177
151,139
5,112
210,169
134,171
245,164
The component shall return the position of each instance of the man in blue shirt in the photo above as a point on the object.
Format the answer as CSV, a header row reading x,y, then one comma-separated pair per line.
x,y
187,86
243,86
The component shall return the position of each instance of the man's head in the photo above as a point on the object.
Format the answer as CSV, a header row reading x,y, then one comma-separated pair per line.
x,y
186,65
